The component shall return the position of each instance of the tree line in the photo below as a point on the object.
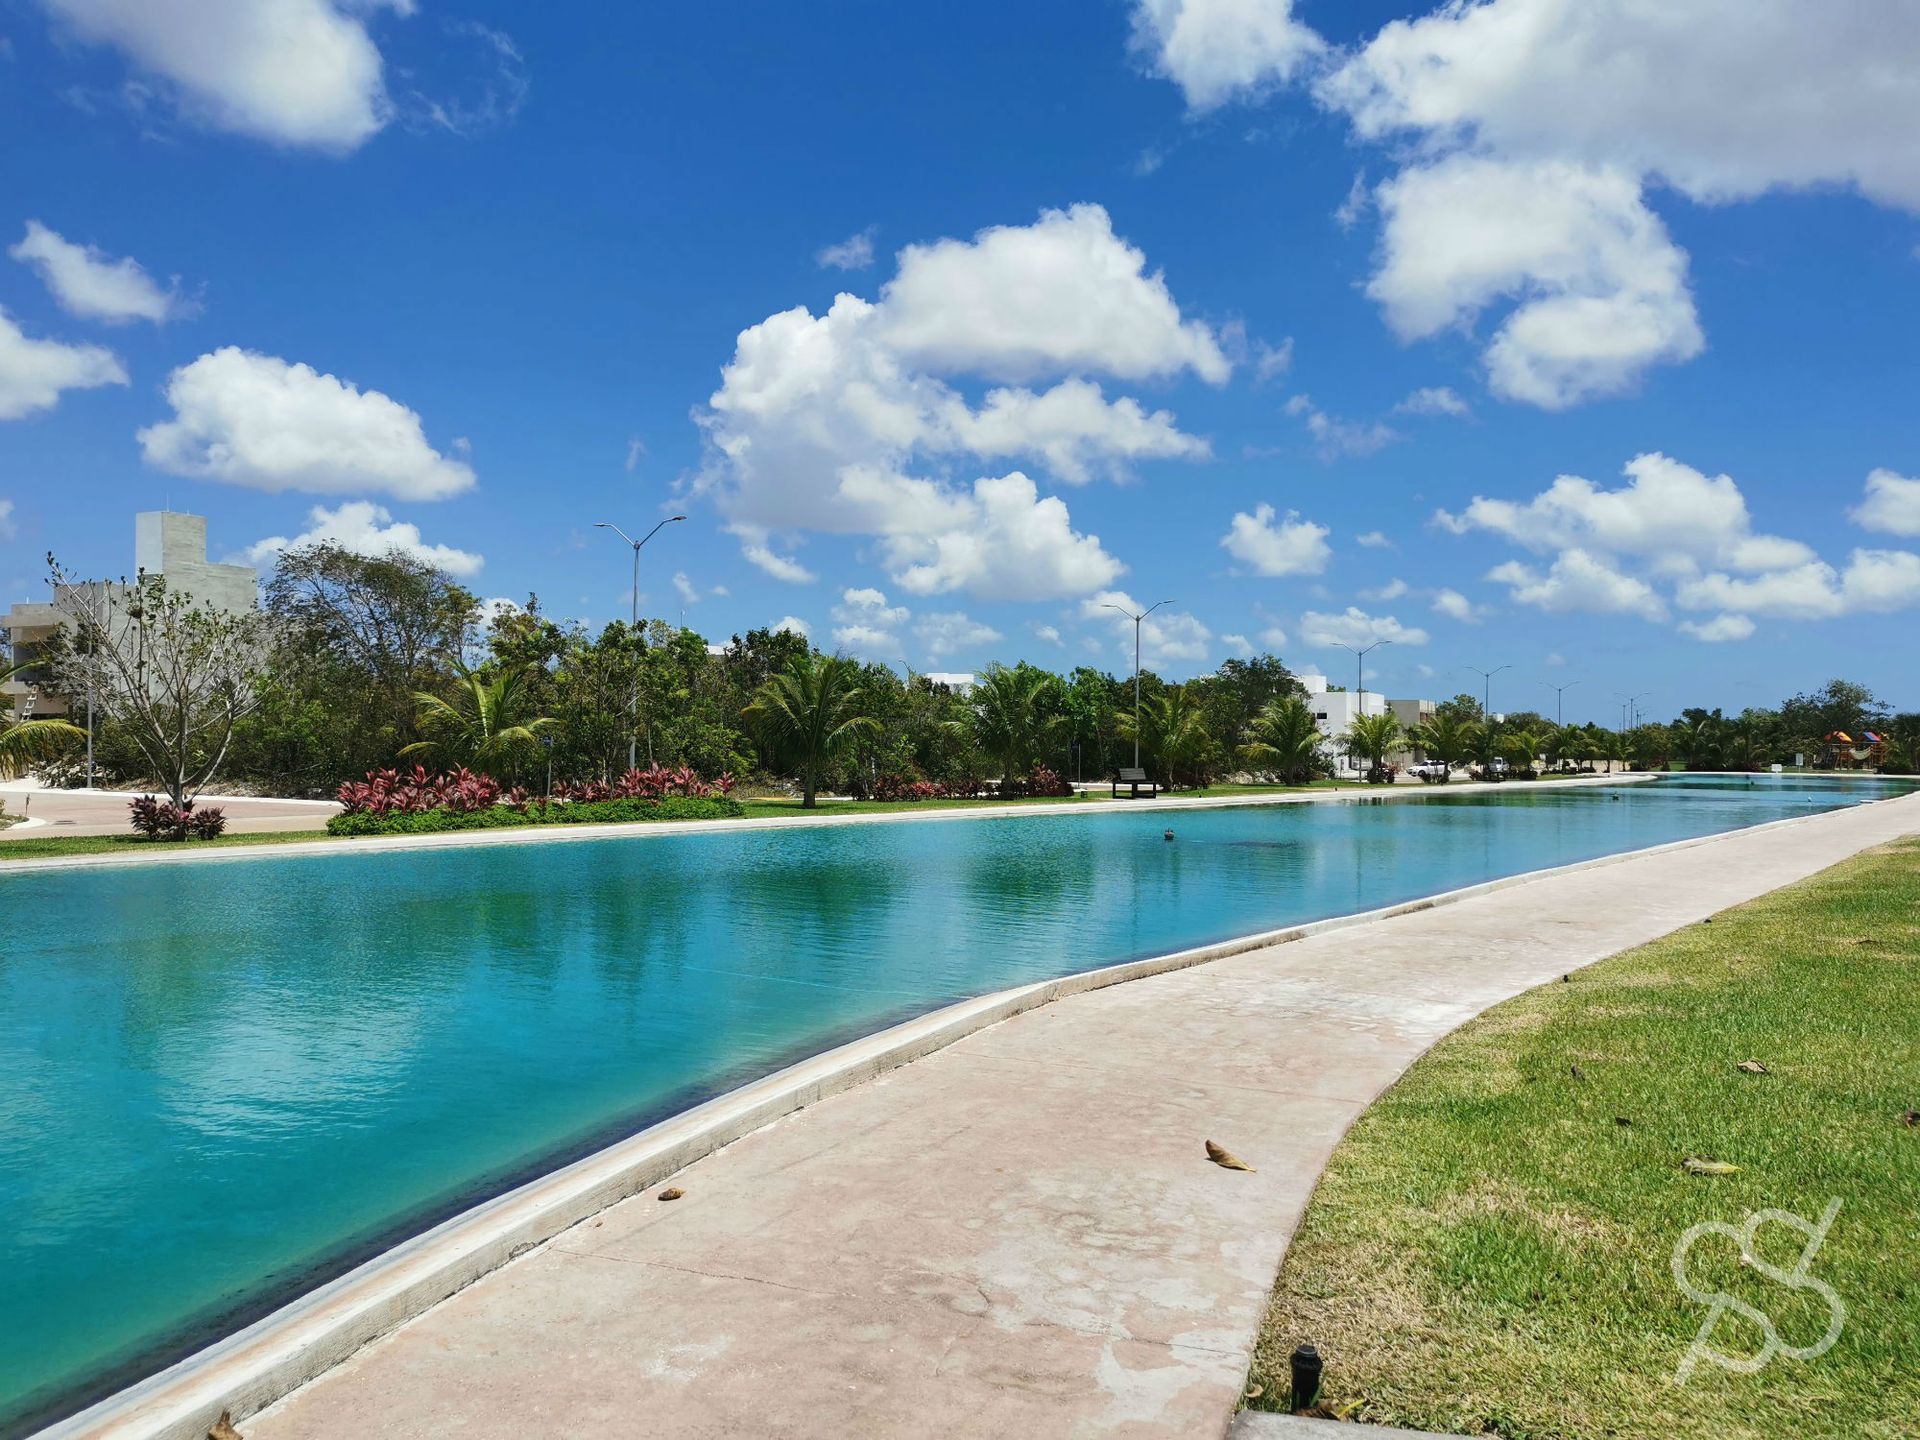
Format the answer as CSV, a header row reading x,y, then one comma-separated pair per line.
x,y
355,663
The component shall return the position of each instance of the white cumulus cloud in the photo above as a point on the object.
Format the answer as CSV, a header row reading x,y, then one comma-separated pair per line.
x,y
1357,628
1167,636
1005,541
1578,580
1873,582
949,632
89,283
1221,50
853,253
1291,547
292,72
1598,289
1434,400
1891,506
244,418
846,422
1722,99
1719,630
34,373
366,529
1667,512
1020,301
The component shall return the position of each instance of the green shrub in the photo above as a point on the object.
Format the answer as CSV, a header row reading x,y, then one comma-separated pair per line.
x,y
497,817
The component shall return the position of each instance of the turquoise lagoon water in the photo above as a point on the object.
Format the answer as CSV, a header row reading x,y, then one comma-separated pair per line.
x,y
221,1084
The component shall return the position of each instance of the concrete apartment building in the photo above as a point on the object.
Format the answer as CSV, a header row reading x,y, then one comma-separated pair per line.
x,y
1335,710
169,545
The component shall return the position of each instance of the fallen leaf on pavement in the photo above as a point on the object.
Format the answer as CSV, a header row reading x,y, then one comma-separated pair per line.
x,y
672,1192
1225,1159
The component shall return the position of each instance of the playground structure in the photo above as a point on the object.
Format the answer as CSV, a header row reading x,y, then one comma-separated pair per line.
x,y
1841,751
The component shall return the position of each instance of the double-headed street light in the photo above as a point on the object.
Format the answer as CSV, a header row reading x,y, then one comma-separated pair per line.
x,y
1558,692
633,739
1486,694
1136,666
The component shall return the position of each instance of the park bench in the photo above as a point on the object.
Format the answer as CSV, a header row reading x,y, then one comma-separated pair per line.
x,y
1133,779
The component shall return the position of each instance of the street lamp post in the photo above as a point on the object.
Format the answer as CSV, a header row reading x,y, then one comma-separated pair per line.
x,y
1558,692
633,739
1486,694
1136,667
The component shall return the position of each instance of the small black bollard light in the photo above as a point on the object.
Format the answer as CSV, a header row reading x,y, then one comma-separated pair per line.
x,y
1305,1363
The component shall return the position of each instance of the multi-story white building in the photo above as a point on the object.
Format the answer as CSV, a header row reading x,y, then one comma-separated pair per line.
x,y
1336,710
165,544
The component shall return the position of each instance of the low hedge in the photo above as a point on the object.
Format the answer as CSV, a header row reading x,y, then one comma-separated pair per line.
x,y
498,817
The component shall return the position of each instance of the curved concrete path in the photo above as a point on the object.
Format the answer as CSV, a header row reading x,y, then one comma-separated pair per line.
x,y
1020,1234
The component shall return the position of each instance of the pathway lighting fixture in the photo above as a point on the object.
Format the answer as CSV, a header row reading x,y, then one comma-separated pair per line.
x,y
1306,1371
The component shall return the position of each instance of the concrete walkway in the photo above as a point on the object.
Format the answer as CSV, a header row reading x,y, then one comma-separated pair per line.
x,y
104,812
1019,1234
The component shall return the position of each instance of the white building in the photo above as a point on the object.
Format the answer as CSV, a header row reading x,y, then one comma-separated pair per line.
x,y
1334,711
170,546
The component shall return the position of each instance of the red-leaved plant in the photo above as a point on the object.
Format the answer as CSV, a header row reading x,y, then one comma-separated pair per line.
x,y
387,791
158,819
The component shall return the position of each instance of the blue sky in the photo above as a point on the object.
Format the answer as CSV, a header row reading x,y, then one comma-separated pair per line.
x,y
1239,303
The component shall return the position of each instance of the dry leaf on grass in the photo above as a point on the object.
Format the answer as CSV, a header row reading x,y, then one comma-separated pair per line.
x,y
1753,1067
1225,1158
1694,1165
1910,1119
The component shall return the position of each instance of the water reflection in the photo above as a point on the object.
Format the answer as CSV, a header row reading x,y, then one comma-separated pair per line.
x,y
214,1079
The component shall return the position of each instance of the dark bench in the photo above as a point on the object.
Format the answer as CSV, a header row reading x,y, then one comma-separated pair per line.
x,y
1133,779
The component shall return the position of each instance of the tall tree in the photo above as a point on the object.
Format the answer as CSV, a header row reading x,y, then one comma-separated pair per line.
x,y
177,675
812,711
1371,737
1444,738
1019,716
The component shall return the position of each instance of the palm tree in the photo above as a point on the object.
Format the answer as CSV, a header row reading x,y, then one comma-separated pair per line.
x,y
1371,737
1519,747
1173,731
1283,741
1611,746
28,739
486,726
1445,739
1017,716
815,707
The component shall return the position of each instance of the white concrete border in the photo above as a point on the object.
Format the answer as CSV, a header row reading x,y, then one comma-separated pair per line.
x,y
649,830
272,1357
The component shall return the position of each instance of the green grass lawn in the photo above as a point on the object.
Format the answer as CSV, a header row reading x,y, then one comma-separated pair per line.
x,y
1490,1250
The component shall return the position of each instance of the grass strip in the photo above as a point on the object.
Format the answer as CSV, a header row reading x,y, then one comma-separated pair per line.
x,y
1490,1250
